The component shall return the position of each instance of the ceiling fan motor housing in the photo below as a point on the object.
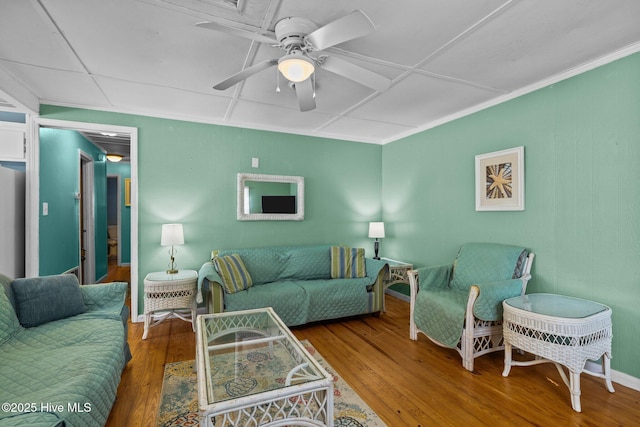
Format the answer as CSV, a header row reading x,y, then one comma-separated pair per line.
x,y
290,32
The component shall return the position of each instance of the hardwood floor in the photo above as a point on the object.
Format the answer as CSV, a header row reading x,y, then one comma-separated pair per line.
x,y
407,383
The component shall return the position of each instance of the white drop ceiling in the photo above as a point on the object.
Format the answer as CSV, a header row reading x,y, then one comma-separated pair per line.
x,y
446,58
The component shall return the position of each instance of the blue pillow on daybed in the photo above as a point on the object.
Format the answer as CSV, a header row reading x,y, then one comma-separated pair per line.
x,y
44,299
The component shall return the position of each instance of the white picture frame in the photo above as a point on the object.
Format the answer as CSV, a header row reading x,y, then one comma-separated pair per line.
x,y
243,214
500,180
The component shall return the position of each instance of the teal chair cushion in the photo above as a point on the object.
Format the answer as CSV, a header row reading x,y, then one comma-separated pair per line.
x,y
486,262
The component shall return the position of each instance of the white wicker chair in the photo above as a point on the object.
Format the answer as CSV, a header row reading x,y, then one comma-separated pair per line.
x,y
482,327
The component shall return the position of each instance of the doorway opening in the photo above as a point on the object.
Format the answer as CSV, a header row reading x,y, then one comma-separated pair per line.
x,y
113,221
34,201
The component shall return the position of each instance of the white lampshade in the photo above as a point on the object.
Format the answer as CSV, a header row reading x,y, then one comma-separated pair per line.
x,y
172,235
296,67
376,230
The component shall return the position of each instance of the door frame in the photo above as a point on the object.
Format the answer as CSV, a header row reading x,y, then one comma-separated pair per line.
x,y
87,222
32,197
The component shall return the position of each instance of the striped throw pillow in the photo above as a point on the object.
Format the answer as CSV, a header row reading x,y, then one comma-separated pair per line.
x,y
235,276
347,262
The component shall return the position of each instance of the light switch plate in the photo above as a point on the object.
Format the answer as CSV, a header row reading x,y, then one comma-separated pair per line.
x,y
255,162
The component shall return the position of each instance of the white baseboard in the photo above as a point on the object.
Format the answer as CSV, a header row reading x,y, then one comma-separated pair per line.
x,y
616,376
398,295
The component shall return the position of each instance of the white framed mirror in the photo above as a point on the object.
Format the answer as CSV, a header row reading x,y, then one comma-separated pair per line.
x,y
270,197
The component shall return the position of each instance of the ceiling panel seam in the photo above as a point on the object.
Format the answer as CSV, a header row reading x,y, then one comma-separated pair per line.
x,y
478,24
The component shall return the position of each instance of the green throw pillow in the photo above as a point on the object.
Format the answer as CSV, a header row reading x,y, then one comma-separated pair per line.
x,y
347,262
235,276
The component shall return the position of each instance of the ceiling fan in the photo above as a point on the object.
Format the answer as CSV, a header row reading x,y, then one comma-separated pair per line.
x,y
299,38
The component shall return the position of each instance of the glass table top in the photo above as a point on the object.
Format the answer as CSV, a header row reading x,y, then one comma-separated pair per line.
x,y
557,305
251,352
163,276
394,263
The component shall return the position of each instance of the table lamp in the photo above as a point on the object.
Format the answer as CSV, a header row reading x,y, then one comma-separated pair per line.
x,y
376,231
172,235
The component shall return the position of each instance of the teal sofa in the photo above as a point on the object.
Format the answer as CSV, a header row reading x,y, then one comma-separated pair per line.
x,y
63,348
297,282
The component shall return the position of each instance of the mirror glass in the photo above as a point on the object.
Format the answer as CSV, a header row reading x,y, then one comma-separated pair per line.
x,y
270,197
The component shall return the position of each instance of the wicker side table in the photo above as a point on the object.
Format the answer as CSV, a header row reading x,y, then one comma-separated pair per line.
x,y
398,273
559,329
169,295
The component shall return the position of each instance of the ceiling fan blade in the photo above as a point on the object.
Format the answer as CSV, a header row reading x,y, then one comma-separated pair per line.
x,y
351,26
304,91
239,32
355,73
247,72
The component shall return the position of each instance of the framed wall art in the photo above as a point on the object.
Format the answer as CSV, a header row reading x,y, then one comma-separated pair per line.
x,y
127,191
500,180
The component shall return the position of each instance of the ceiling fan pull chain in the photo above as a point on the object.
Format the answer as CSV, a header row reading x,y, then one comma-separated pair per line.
x,y
277,81
314,85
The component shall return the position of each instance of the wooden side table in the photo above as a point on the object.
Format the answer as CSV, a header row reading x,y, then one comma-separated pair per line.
x,y
169,295
397,274
562,330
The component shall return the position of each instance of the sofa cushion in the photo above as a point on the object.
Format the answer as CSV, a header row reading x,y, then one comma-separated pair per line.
x,y
347,262
265,265
233,273
287,298
9,325
44,299
336,298
307,262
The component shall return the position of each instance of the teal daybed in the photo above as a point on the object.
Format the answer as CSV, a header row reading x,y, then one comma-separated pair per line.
x,y
63,348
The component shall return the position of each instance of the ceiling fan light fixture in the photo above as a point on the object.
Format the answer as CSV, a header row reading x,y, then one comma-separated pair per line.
x,y
296,67
115,158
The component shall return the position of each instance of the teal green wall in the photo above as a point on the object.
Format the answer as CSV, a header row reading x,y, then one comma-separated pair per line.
x,y
582,142
187,173
582,217
59,181
123,170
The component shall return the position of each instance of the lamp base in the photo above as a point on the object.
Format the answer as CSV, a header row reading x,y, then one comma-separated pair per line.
x,y
376,246
172,271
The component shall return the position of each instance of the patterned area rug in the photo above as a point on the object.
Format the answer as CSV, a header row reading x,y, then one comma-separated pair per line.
x,y
179,401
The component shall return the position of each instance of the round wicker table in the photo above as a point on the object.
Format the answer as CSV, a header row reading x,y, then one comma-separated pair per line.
x,y
169,295
562,330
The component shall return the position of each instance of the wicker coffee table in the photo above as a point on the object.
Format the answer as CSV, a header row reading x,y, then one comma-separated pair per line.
x,y
559,329
252,371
